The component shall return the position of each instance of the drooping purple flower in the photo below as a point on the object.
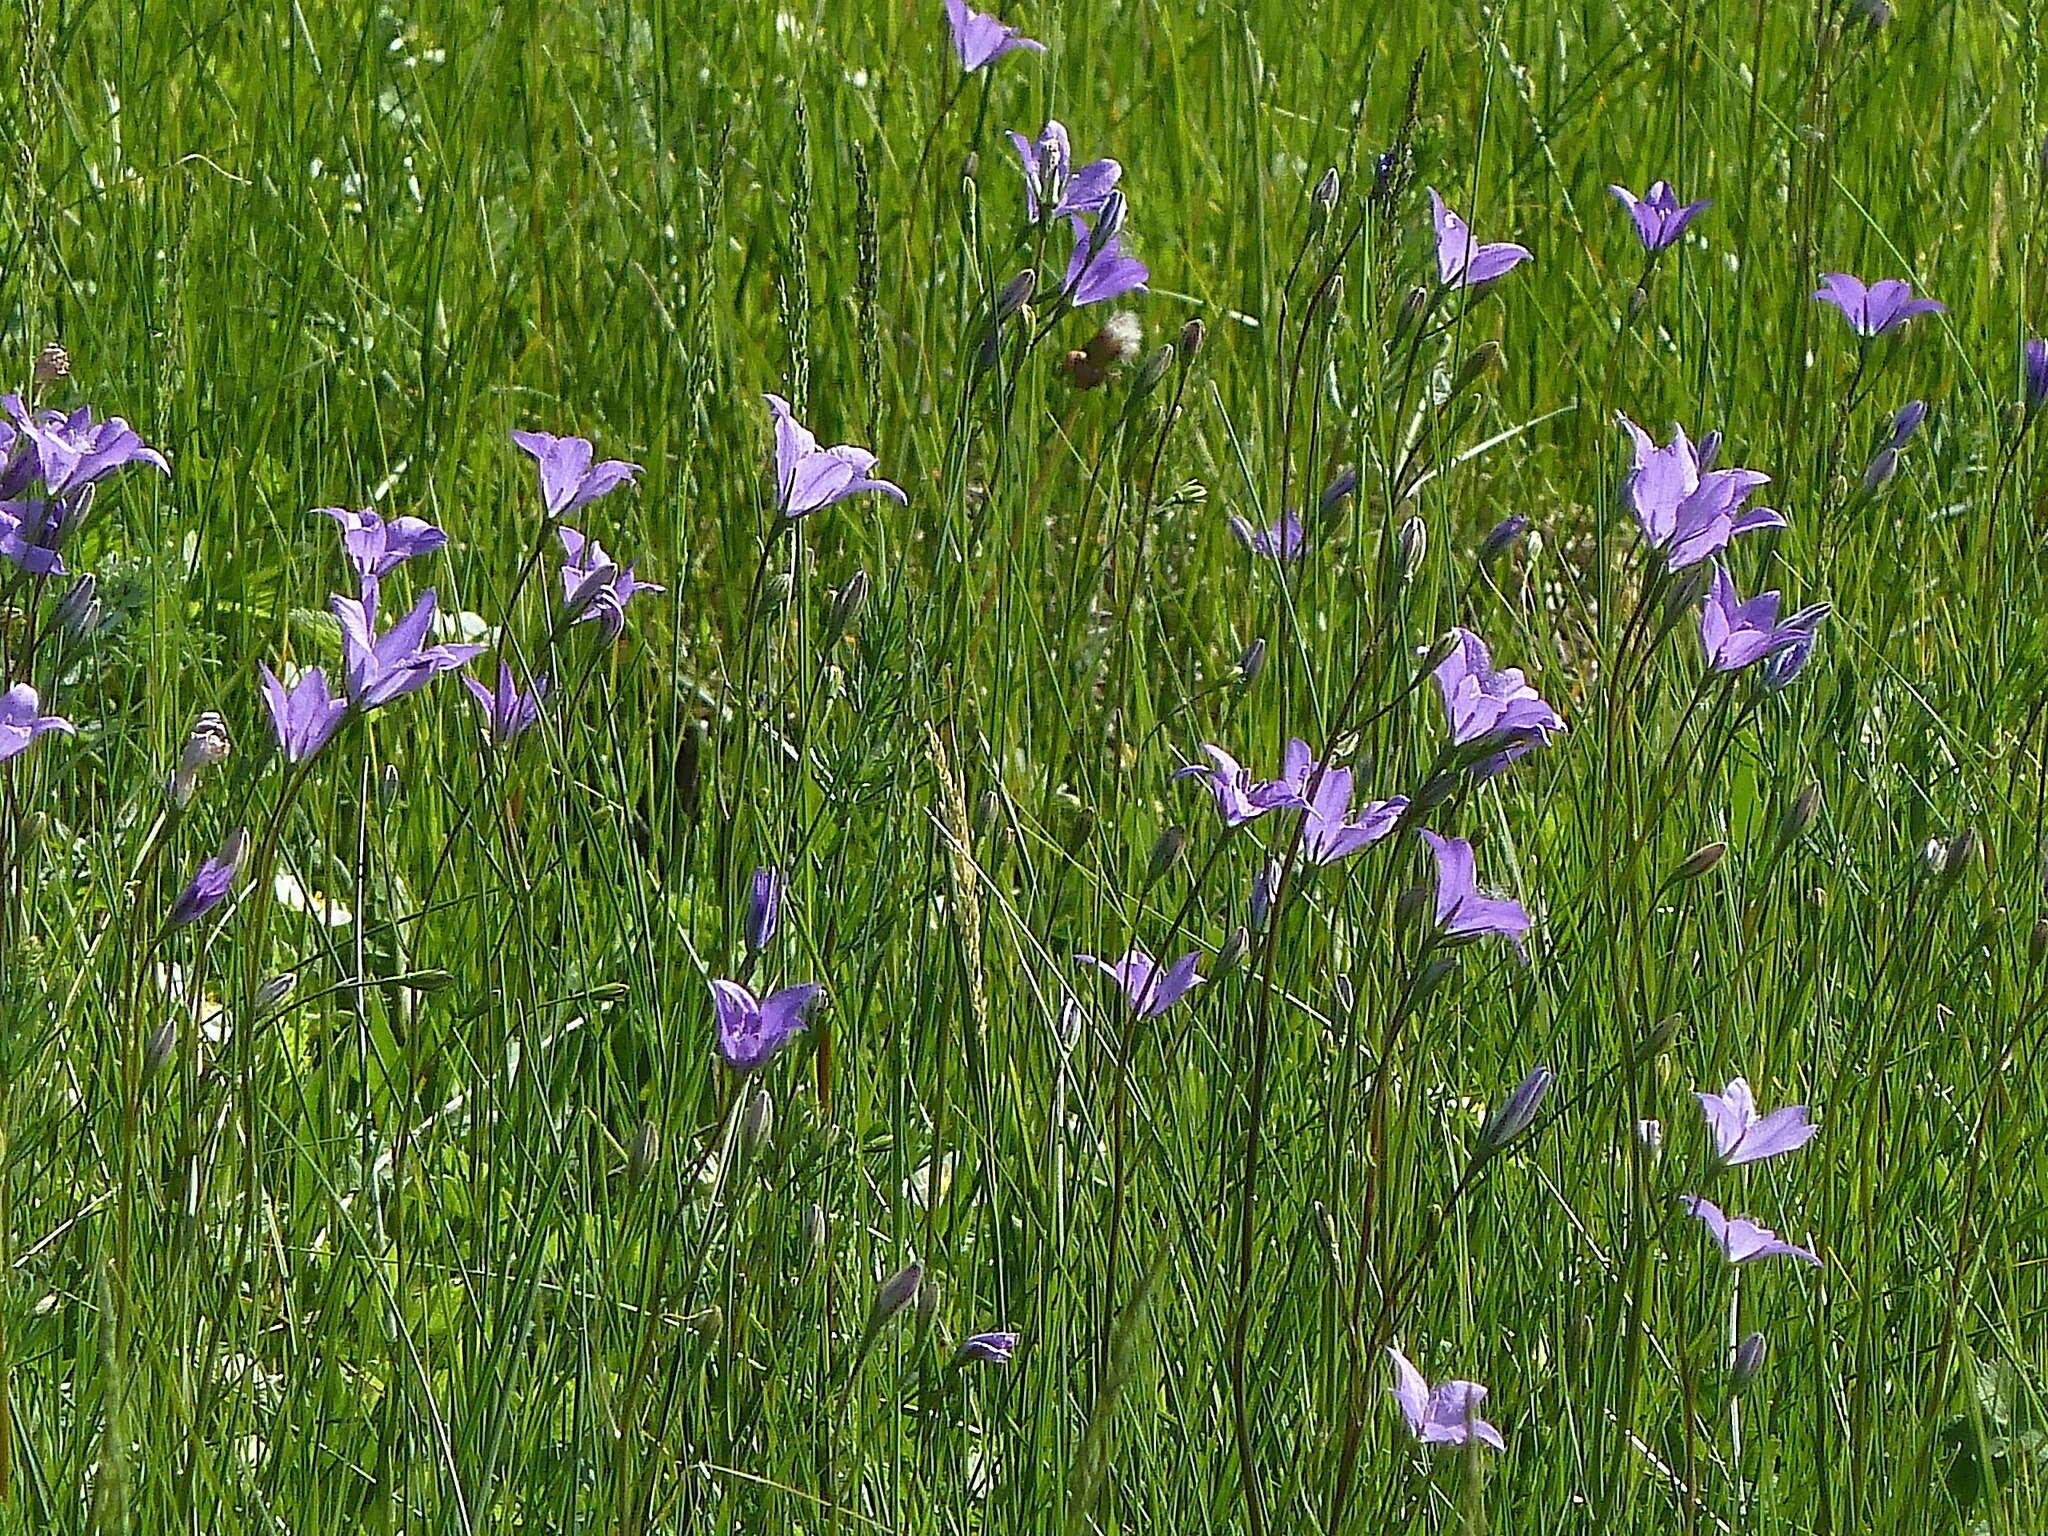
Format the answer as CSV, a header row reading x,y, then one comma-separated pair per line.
x,y
1659,217
1741,1135
1052,187
1906,422
508,709
1328,832
1497,709
1285,540
305,717
1874,310
593,586
1463,911
1460,261
377,548
1687,512
377,669
210,887
568,478
31,529
988,1348
1736,634
980,39
1447,1415
764,909
2034,375
1742,1240
1149,989
68,453
808,477
1098,269
1788,661
21,722
1230,782
750,1029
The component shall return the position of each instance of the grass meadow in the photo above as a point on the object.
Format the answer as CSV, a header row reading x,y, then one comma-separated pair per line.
x,y
411,1184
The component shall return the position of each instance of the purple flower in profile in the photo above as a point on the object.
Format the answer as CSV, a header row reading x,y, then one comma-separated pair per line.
x,y
378,669
1496,709
980,39
593,586
808,477
68,453
764,909
210,887
1688,512
1285,540
1149,989
1447,1415
377,548
507,709
1230,782
568,478
1052,187
1098,269
988,1348
32,528
750,1029
1298,769
305,717
20,722
2034,375
1906,422
1788,661
1460,261
1741,1135
1736,634
1876,309
1659,217
1742,1240
1328,832
1463,911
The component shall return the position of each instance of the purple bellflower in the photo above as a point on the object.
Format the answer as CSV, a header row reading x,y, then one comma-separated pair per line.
x,y
1052,187
1688,512
981,39
808,477
1328,832
210,887
20,722
1497,709
1659,217
378,669
1877,309
1736,634
1445,1415
1149,989
1460,261
32,528
988,1348
1788,661
68,453
593,586
1298,770
764,909
750,1029
2034,375
377,548
1741,1135
1230,782
568,478
1463,911
1906,422
508,711
1742,1240
304,717
1098,269
1285,540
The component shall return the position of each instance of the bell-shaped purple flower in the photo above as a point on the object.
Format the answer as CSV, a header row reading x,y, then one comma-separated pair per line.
x,y
32,528
1461,262
376,548
568,477
1328,831
981,39
1052,187
1285,540
988,1348
1736,634
1488,708
750,1029
508,709
306,716
68,453
594,588
808,477
1659,217
1741,1239
1098,269
1463,910
1148,988
210,886
378,669
1741,1135
1445,1415
21,722
1688,512
1878,308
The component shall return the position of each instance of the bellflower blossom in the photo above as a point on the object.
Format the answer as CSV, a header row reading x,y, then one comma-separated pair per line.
x,y
377,548
378,669
1460,261
1741,1135
568,479
32,528
2034,375
1285,540
1877,309
750,1029
1658,215
1736,634
1329,834
1052,187
1149,989
210,886
981,39
1463,911
593,586
306,716
69,452
1447,1415
1742,1240
1098,269
988,1348
508,710
1495,709
1688,512
1230,782
808,477
20,722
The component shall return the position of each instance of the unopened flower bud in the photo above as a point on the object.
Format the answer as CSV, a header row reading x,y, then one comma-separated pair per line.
x,y
1501,536
156,1050
2037,943
1413,305
1513,1115
2033,376
1413,906
1748,1360
1251,664
816,1227
1265,886
1876,14
1234,949
847,604
1153,371
1411,543
1192,336
1699,862
1651,1134
1482,360
758,1121
1166,849
1880,471
276,989
774,595
1346,994
988,810
1434,792
1709,450
1016,294
1798,817
896,1293
78,610
1434,973
1964,849
643,1154
925,1306
1907,422
764,909
1638,301
1344,485
1660,1039
207,746
970,167
1066,1026
1324,194
389,785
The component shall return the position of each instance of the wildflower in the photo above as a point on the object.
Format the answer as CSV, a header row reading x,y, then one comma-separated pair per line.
x,y
1496,709
2034,375
1515,1114
1787,662
1741,1135
981,39
1687,511
1447,1415
1328,833
1747,1360
1230,782
1460,263
20,724
31,530
1052,187
1876,309
376,548
988,1348
1098,269
764,909
378,669
1735,633
1344,485
808,477
594,587
507,710
1907,422
750,1029
1659,218
210,887
306,717
568,478
1742,1240
1463,911
1502,536
1149,990
1285,540
1298,768
69,453
207,747
892,1296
